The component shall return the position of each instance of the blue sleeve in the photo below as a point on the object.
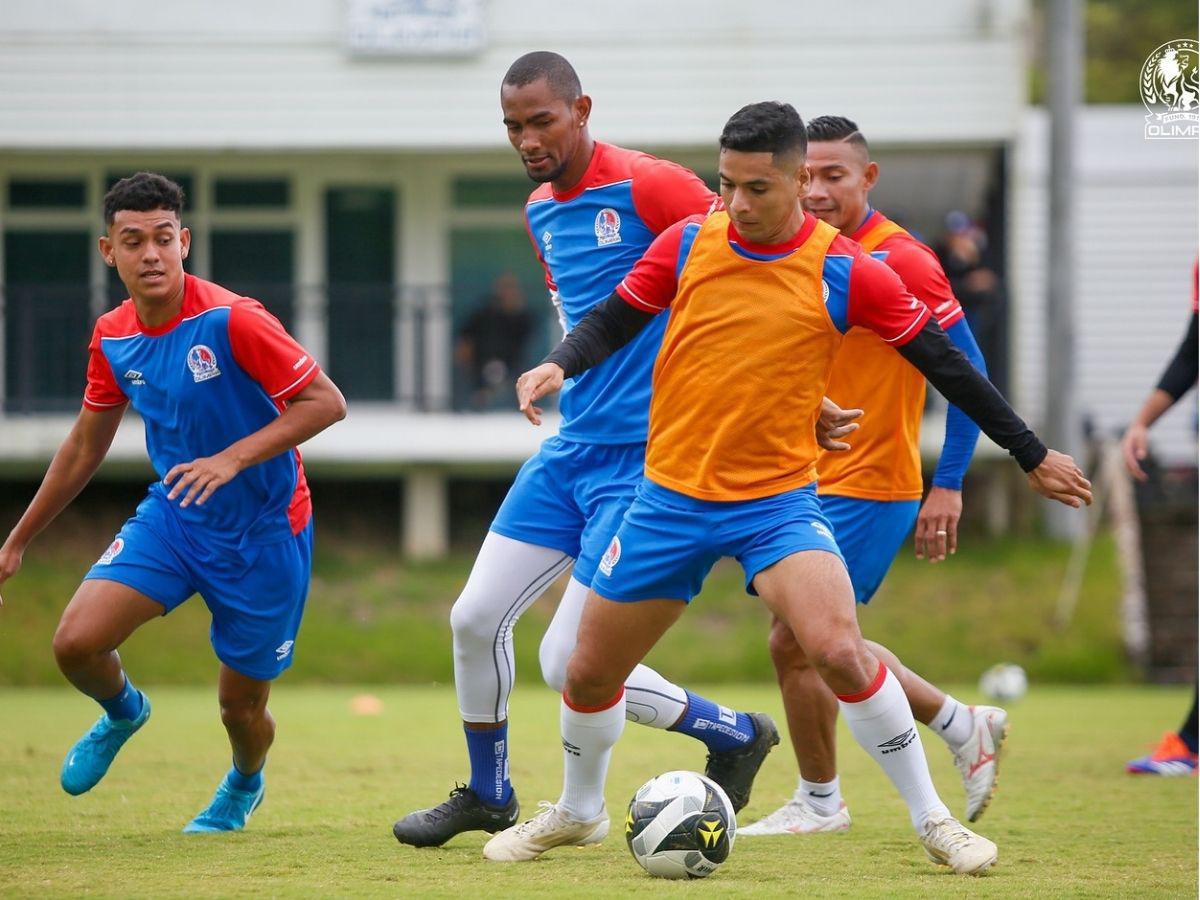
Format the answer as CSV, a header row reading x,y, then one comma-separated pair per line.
x,y
961,432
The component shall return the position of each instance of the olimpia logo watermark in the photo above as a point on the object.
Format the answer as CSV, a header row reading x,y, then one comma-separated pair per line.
x,y
1170,85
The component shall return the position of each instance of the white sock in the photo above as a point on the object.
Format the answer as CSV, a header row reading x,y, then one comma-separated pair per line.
x,y
883,724
824,797
588,739
652,700
953,723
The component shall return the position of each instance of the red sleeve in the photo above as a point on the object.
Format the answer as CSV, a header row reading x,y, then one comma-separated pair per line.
x,y
665,192
878,300
925,279
651,283
102,391
550,285
268,353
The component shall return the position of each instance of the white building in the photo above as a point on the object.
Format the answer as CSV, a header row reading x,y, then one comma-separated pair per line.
x,y
368,196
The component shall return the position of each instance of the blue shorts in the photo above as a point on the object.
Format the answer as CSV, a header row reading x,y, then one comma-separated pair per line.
x,y
255,593
571,496
668,541
870,533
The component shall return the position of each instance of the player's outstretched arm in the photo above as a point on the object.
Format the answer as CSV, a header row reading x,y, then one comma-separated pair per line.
x,y
72,468
608,326
308,413
1177,379
1051,474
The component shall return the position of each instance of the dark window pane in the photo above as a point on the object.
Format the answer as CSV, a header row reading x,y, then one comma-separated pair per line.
x,y
257,264
46,317
241,193
184,181
505,192
360,238
38,194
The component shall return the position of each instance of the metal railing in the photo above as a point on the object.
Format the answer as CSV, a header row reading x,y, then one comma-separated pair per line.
x,y
379,342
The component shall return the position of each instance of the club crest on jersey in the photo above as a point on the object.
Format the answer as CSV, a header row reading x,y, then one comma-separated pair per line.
x,y
608,227
111,553
611,557
203,363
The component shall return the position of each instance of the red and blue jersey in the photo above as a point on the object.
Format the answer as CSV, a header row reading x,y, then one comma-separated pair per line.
x,y
222,369
587,239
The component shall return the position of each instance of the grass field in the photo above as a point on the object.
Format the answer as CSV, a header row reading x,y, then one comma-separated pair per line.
x,y
1068,821
374,618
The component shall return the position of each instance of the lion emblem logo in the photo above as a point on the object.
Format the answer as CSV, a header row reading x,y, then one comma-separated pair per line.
x,y
1170,86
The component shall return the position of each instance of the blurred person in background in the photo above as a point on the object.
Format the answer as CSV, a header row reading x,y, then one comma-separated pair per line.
x,y
226,395
963,251
1176,751
491,345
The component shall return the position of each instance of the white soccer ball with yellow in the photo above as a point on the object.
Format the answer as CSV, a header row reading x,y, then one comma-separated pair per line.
x,y
680,825
1004,682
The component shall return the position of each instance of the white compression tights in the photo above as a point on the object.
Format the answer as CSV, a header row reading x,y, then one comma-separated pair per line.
x,y
508,576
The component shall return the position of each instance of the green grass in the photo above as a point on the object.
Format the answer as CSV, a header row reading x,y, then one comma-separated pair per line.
x,y
374,619
1069,823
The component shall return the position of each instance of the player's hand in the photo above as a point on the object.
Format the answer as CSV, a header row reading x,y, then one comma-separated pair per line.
x,y
1060,479
833,423
1134,447
937,524
10,562
535,384
197,479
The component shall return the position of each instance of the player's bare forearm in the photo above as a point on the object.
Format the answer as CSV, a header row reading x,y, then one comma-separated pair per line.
x,y
309,413
74,464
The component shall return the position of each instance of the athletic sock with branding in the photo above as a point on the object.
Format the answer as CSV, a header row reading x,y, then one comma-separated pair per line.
x,y
125,705
882,722
953,723
588,736
824,797
488,750
720,728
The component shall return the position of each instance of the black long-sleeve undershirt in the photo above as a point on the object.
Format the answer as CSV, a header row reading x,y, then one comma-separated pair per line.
x,y
613,323
1184,368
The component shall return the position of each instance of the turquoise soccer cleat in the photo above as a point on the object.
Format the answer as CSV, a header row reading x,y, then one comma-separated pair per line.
x,y
88,761
229,810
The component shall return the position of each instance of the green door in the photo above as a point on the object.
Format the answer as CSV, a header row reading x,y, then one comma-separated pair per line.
x,y
47,322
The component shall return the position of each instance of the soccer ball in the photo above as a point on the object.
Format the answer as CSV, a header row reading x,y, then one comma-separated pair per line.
x,y
680,825
1004,681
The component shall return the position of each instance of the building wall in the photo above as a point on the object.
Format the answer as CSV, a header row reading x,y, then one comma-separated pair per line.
x,y
216,74
1137,240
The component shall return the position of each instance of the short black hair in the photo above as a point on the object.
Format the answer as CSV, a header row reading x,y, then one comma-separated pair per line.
x,y
141,193
559,74
767,127
836,128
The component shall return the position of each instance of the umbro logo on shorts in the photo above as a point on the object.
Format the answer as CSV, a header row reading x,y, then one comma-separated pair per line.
x,y
284,649
822,530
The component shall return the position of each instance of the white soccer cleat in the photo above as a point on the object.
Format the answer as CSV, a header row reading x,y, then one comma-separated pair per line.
x,y
978,759
949,843
550,828
798,817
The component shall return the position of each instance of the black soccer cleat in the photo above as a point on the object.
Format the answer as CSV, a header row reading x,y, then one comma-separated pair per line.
x,y
734,770
463,811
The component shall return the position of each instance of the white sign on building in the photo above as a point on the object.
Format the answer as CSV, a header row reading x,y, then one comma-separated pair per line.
x,y
414,27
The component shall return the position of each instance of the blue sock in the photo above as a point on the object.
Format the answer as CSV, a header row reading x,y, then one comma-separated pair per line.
x,y
489,764
718,727
126,705
243,782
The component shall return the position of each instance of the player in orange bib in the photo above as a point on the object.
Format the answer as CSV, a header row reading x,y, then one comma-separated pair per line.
x,y
871,496
760,297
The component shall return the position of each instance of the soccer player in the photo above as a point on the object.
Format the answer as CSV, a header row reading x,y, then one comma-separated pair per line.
x,y
1176,752
760,297
594,213
871,495
226,395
